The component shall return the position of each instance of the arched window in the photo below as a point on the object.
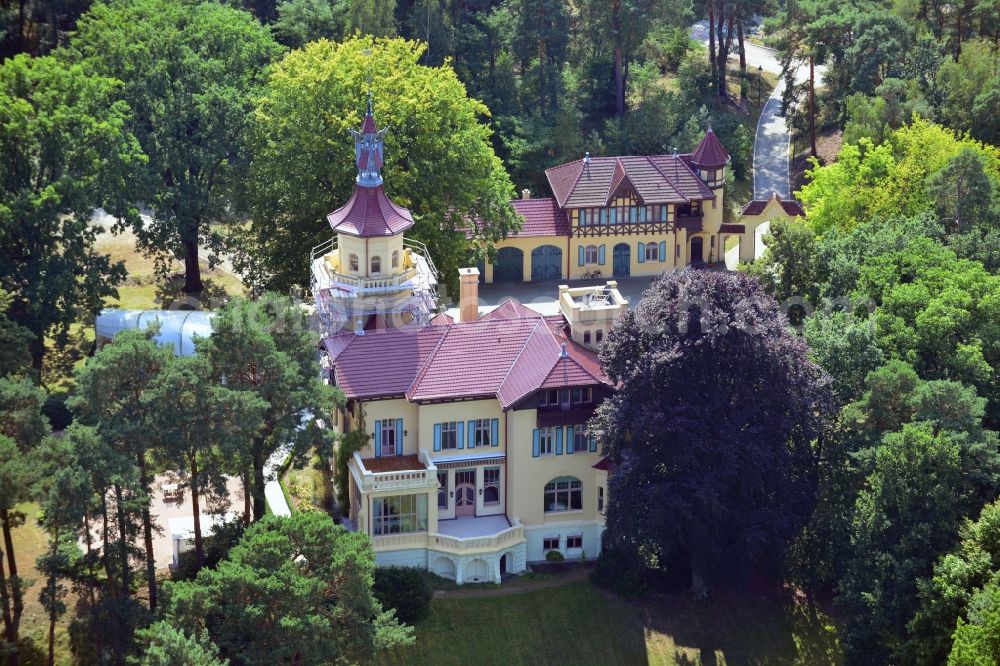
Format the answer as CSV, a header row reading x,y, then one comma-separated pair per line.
x,y
395,258
564,493
352,261
376,264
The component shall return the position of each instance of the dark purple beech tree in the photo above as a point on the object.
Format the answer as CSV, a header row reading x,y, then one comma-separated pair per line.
x,y
716,428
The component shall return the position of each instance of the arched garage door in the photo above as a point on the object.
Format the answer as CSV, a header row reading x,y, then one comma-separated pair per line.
x,y
509,266
546,263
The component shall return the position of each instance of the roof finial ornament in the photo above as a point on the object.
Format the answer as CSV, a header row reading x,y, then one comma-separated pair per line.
x,y
562,352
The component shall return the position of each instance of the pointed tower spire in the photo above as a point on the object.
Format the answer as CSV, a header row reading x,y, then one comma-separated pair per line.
x,y
369,145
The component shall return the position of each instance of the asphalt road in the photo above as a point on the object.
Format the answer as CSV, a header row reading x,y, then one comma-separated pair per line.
x,y
771,166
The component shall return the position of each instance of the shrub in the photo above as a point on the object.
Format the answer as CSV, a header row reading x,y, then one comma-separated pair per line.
x,y
407,589
56,412
554,556
620,568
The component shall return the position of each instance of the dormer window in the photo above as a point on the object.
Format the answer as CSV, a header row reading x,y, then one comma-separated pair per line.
x,y
352,261
376,264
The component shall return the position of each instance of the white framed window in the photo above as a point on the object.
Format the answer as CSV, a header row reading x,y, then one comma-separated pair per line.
x,y
376,264
574,541
546,441
399,514
449,435
389,438
580,440
550,543
491,485
590,254
483,433
652,252
564,493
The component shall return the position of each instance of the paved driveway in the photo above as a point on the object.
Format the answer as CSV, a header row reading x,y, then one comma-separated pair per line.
x,y
771,143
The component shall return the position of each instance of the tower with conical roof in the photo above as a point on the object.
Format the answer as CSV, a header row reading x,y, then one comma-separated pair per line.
x,y
368,273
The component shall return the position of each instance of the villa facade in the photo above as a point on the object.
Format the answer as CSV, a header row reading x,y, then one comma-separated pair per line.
x,y
476,458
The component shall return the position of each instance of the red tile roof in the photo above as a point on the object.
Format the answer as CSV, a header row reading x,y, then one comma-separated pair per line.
x,y
656,179
790,206
710,153
442,318
508,355
511,308
604,464
369,213
542,217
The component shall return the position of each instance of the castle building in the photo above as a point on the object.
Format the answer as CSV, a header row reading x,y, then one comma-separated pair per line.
x,y
623,216
477,459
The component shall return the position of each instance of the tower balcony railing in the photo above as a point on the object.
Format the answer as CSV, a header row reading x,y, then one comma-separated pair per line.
x,y
422,276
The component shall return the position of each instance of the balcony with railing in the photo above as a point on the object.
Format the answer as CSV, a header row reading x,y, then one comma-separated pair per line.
x,y
455,545
411,472
341,296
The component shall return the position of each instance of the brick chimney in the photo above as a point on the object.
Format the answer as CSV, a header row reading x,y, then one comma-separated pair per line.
x,y
526,193
468,294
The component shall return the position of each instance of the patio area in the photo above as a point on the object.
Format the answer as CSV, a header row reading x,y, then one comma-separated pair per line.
x,y
468,527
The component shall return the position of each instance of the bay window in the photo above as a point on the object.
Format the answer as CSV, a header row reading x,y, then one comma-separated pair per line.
x,y
399,514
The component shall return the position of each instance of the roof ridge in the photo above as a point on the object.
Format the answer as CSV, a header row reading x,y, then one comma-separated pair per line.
x,y
427,361
649,158
520,351
572,188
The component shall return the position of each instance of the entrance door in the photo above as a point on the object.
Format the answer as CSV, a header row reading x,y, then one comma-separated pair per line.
x,y
465,493
623,260
697,253
509,266
546,263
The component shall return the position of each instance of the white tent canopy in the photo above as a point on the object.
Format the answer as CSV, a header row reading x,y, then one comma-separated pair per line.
x,y
178,328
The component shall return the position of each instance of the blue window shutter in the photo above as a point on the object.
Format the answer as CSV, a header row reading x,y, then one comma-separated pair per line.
x,y
495,432
399,437
460,439
663,250
642,253
559,433
580,256
593,443
600,255
570,432
471,434
535,445
437,436
378,439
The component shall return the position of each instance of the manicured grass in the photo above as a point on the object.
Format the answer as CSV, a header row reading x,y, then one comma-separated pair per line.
x,y
579,623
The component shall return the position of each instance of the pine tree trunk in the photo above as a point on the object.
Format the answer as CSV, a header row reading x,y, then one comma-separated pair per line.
x,y
199,547
10,635
192,269
247,492
812,105
619,83
105,562
17,595
147,534
259,499
743,58
711,39
123,541
53,616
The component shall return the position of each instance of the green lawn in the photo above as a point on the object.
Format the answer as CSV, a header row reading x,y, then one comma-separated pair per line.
x,y
578,623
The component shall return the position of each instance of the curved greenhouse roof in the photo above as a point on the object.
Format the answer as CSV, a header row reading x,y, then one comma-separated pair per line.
x,y
178,328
